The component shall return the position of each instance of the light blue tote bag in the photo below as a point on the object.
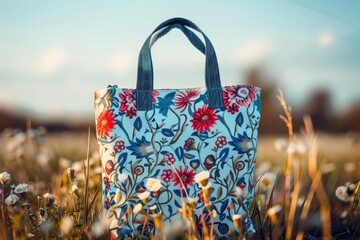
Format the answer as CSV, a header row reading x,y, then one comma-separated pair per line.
x,y
162,148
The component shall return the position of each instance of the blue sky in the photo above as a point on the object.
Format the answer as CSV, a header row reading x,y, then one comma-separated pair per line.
x,y
54,54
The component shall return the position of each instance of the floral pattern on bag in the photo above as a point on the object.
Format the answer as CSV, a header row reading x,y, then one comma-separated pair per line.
x,y
180,137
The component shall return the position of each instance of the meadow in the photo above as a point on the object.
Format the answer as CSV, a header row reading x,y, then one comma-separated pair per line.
x,y
307,186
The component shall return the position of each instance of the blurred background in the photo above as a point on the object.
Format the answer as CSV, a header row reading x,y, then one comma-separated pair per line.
x,y
54,54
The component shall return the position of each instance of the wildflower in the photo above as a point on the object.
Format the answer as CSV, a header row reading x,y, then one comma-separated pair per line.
x,y
214,213
49,199
273,211
342,194
328,168
295,149
138,208
11,199
267,181
280,144
153,209
237,219
206,191
144,196
153,184
75,191
240,193
21,188
100,226
202,178
66,224
301,201
349,167
71,174
5,177
43,158
158,220
64,163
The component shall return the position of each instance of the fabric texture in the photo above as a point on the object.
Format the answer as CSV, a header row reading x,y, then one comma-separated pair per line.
x,y
180,133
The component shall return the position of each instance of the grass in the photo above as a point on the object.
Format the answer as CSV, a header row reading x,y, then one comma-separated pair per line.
x,y
307,187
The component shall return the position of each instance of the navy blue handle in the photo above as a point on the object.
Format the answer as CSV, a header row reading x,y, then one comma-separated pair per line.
x,y
145,69
193,38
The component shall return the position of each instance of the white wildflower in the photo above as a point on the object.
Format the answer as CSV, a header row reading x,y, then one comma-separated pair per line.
x,y
349,167
144,196
153,184
49,198
342,194
43,158
138,208
280,144
301,201
5,177
202,178
100,226
66,224
328,168
64,163
21,188
11,199
274,210
267,181
295,149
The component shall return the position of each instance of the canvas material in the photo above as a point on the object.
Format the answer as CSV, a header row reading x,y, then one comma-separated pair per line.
x,y
180,132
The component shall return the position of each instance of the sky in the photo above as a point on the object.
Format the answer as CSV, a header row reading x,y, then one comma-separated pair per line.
x,y
54,54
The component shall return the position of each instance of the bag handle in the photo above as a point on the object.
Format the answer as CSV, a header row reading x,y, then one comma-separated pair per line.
x,y
145,69
193,38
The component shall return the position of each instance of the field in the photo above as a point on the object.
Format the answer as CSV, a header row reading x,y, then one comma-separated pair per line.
x,y
308,187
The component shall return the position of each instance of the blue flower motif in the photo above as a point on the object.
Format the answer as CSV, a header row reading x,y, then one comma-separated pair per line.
x,y
141,148
165,103
241,143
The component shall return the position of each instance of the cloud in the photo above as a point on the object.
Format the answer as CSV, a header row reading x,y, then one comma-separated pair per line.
x,y
254,51
120,63
325,39
52,60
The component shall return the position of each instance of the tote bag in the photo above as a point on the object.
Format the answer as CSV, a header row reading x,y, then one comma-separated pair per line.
x,y
157,145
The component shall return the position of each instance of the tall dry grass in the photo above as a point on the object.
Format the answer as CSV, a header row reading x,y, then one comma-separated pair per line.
x,y
301,191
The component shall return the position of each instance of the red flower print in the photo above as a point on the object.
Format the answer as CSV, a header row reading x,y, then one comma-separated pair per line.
x,y
186,177
204,118
107,184
234,108
221,141
167,175
119,146
105,123
240,96
189,143
169,157
154,94
183,99
128,104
